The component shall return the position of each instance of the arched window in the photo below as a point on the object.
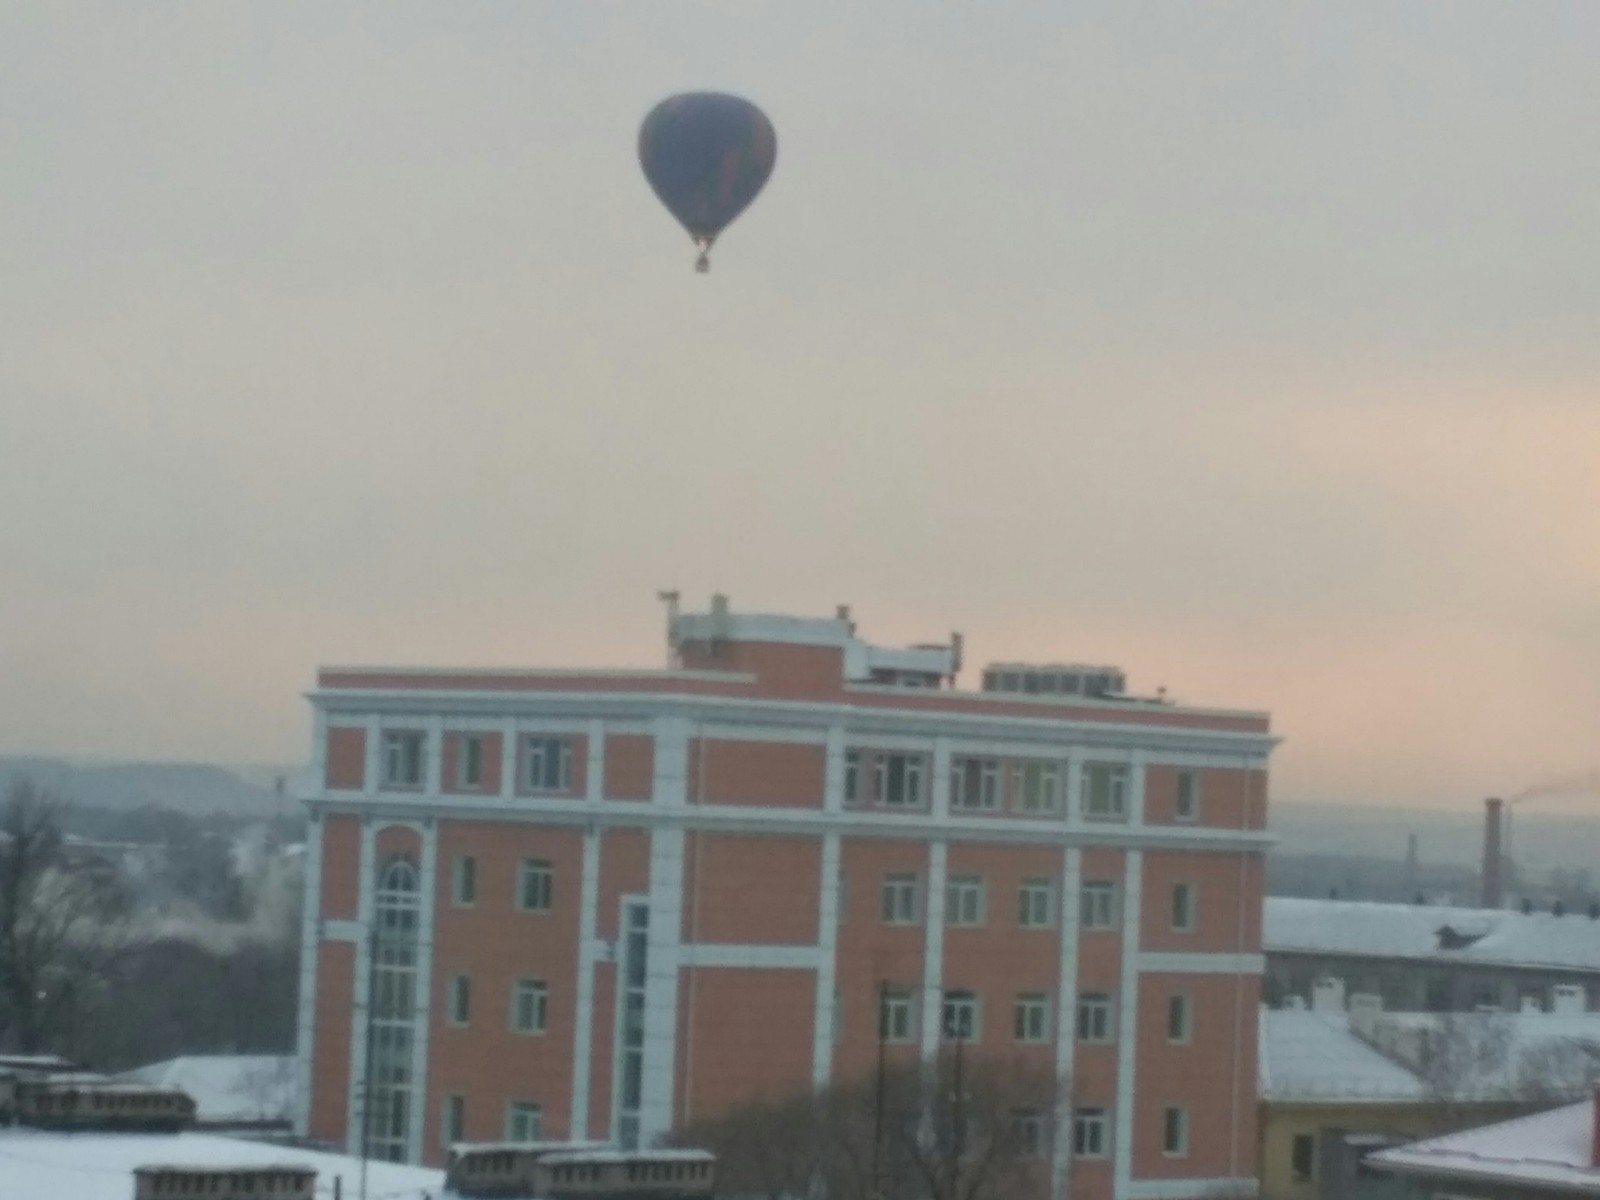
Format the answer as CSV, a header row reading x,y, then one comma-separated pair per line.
x,y
396,905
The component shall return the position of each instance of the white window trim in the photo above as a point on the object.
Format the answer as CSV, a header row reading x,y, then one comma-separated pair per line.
x,y
1025,890
462,739
539,985
901,881
1193,815
453,1006
451,1101
1112,891
565,755
1119,787
1033,1000
1191,906
457,874
392,739
898,997
969,996
1183,1131
1107,1003
965,886
525,867
511,1117
1103,1120
1187,1036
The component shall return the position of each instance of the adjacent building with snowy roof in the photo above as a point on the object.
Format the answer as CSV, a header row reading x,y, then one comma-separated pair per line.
x,y
230,1091
1432,959
103,1166
1334,1085
1552,1155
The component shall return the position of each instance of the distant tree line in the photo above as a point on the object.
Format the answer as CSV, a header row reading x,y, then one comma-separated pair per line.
x,y
86,972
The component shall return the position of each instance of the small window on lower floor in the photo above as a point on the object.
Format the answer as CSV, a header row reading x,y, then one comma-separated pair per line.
x,y
1090,1133
1032,1139
1303,1157
453,1119
1175,1132
522,1121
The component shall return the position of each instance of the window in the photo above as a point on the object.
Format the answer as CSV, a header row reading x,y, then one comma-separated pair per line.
x,y
464,881
1035,786
453,1119
1032,1137
1183,907
1089,1138
530,1004
1105,792
469,760
1175,1132
1033,1017
548,764
963,903
1187,807
460,999
1036,904
852,777
535,886
900,899
1094,1017
899,780
402,760
894,1015
960,1021
1179,1017
1099,904
1303,1157
522,1121
975,784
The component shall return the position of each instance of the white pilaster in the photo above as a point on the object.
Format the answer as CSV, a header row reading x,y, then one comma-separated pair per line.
x,y
433,756
594,772
1128,1020
360,985
933,951
669,791
508,758
833,771
1138,772
1074,793
1071,886
428,872
310,937
826,1008
583,1023
370,770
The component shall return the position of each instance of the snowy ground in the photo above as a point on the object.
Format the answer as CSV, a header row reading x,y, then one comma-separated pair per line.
x,y
100,1166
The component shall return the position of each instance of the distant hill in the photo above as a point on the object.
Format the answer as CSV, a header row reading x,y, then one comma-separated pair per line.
x,y
194,788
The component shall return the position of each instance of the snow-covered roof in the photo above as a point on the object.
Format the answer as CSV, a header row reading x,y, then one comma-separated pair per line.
x,y
1313,1056
88,1166
227,1087
1498,936
1549,1150
612,1156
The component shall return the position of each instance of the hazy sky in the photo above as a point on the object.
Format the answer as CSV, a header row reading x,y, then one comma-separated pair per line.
x,y
1254,347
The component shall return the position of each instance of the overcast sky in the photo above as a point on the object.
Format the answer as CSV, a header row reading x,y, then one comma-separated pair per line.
x,y
1253,347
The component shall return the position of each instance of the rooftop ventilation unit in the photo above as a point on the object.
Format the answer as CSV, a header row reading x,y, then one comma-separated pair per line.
x,y
1054,680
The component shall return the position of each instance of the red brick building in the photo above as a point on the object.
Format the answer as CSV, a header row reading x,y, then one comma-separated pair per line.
x,y
598,904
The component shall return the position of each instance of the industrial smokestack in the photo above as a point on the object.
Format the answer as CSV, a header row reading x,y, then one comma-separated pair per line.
x,y
1493,883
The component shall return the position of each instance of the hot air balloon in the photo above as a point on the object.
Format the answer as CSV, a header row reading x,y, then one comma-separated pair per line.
x,y
706,155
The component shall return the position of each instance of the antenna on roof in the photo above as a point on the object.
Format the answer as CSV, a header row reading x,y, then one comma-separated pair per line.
x,y
670,599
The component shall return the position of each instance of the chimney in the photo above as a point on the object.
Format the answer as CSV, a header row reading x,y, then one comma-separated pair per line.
x,y
1493,889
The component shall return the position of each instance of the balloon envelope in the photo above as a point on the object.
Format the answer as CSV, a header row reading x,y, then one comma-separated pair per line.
x,y
706,155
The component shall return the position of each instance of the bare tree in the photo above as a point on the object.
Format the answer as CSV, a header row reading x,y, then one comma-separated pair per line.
x,y
1557,1070
59,923
1465,1058
951,1131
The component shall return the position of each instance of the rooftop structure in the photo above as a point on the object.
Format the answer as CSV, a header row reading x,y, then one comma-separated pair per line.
x,y
1548,1154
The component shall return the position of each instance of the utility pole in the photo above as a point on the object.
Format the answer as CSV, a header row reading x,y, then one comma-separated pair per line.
x,y
366,1057
877,1104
